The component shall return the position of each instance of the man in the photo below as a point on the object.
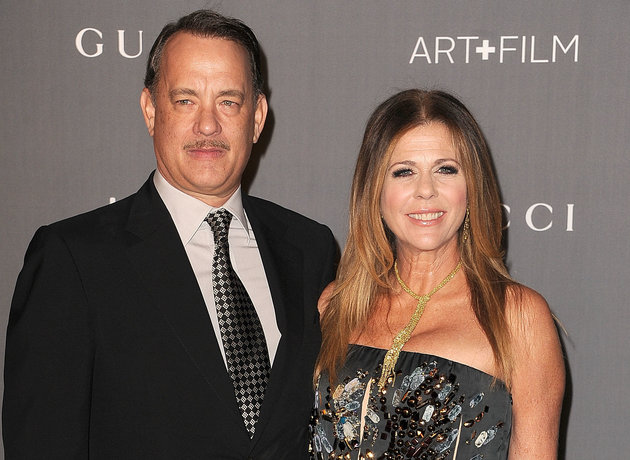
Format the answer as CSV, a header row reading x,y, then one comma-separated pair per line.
x,y
123,340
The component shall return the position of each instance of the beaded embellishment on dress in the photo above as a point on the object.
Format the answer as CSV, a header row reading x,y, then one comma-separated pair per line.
x,y
430,408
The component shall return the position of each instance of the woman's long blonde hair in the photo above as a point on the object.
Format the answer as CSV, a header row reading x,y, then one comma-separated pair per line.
x,y
366,266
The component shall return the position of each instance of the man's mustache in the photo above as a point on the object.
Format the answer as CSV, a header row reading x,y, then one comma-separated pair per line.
x,y
207,144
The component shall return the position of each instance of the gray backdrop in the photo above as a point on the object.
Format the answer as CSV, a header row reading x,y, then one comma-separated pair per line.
x,y
548,82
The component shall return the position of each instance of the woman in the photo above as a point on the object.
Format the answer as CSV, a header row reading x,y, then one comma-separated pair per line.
x,y
430,350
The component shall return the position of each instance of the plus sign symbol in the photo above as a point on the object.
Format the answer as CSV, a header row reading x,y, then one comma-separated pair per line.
x,y
485,49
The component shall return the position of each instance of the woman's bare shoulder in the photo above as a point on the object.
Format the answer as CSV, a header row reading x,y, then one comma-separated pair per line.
x,y
324,298
528,312
538,375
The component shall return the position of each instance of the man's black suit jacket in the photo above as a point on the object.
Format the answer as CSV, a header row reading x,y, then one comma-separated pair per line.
x,y
110,350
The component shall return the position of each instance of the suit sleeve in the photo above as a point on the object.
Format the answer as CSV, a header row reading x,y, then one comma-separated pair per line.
x,y
49,355
331,260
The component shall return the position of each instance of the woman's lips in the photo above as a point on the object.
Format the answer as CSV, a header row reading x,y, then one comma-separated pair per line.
x,y
426,216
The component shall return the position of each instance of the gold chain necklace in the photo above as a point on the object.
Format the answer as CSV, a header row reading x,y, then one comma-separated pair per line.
x,y
403,336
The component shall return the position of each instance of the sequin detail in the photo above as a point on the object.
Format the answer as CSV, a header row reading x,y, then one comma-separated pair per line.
x,y
422,414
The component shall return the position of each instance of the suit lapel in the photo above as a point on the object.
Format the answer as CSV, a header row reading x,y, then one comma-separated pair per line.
x,y
160,260
283,264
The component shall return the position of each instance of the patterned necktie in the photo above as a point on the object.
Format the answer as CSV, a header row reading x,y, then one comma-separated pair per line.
x,y
241,331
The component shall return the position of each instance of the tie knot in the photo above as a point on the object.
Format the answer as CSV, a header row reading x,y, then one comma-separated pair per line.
x,y
219,222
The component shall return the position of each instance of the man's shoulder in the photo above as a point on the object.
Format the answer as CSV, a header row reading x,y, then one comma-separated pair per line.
x,y
111,215
91,232
265,208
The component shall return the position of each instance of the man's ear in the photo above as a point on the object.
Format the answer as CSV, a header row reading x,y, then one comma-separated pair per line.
x,y
260,115
148,110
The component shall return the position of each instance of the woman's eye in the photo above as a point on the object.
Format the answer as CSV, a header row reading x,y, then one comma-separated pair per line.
x,y
403,172
448,170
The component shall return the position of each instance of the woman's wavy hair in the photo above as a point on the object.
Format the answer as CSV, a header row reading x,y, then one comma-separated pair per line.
x,y
366,268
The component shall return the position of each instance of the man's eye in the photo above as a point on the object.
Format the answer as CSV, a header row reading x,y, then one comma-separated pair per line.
x,y
183,102
402,172
229,103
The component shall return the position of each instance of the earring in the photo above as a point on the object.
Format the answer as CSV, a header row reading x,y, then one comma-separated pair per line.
x,y
466,229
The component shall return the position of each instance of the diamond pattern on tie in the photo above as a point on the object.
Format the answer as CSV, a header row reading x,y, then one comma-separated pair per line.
x,y
241,331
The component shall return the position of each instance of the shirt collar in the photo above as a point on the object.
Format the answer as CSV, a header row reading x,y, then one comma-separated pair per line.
x,y
188,213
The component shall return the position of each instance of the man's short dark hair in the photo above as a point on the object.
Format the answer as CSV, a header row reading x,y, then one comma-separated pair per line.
x,y
210,24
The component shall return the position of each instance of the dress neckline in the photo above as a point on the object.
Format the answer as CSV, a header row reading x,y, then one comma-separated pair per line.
x,y
432,356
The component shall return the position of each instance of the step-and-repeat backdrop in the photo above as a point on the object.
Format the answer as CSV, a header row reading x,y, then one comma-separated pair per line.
x,y
549,83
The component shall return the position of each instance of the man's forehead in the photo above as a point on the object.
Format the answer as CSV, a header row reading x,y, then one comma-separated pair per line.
x,y
185,48
186,39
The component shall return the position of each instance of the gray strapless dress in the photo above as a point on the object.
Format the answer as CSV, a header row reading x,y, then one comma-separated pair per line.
x,y
433,409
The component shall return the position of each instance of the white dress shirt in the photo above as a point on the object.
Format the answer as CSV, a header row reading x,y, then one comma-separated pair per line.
x,y
188,214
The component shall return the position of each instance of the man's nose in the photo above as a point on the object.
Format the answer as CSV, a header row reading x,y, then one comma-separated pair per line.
x,y
207,122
